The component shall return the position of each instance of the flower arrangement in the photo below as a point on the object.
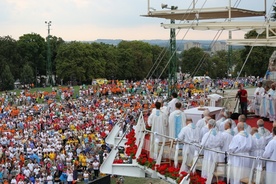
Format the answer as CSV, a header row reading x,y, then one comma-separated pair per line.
x,y
195,178
168,171
131,147
118,161
144,160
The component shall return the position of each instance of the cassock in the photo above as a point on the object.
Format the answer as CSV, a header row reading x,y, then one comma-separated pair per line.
x,y
270,153
213,140
177,120
271,104
258,146
171,105
241,144
264,105
220,125
227,136
201,123
188,134
158,122
259,91
247,128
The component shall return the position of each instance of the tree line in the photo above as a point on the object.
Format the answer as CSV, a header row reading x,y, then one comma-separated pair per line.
x,y
25,59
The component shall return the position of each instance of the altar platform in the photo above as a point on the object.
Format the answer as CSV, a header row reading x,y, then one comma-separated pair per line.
x,y
196,113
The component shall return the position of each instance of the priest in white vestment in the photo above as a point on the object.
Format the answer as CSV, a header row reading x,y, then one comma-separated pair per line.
x,y
258,145
158,123
270,153
202,122
272,102
213,140
264,103
188,134
227,136
259,91
177,120
226,116
241,144
262,130
171,104
247,127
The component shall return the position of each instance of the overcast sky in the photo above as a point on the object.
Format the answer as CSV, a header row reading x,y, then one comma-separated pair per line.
x,y
102,19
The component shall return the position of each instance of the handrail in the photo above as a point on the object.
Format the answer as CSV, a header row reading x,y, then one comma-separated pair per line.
x,y
209,149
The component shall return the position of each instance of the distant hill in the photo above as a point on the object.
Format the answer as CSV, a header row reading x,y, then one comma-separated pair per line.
x,y
165,43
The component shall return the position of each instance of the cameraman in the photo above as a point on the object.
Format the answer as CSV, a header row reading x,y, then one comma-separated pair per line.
x,y
242,95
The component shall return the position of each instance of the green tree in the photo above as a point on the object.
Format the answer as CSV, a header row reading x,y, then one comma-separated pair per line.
x,y
55,43
9,55
73,61
27,75
135,59
219,64
195,62
7,80
32,48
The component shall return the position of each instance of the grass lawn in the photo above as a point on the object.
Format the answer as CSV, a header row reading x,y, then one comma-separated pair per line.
x,y
48,89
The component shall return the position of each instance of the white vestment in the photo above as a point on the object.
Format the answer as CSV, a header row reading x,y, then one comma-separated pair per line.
x,y
258,146
227,136
247,128
270,153
158,122
264,106
171,105
174,126
259,91
241,144
213,140
220,125
271,104
189,134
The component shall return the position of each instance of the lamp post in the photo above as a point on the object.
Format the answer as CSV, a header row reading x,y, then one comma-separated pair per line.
x,y
172,66
49,81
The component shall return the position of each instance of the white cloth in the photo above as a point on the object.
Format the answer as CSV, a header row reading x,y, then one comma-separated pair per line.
x,y
171,105
189,134
220,125
259,91
270,153
258,146
247,128
241,144
264,105
212,139
227,136
271,104
172,122
201,123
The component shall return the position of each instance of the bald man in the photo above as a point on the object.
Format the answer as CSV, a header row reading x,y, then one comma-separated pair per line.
x,y
247,128
258,144
261,129
213,140
241,144
202,122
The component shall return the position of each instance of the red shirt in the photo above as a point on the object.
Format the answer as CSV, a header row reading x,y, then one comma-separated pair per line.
x,y
243,93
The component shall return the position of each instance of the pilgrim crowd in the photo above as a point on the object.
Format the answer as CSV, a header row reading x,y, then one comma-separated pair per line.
x,y
59,136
